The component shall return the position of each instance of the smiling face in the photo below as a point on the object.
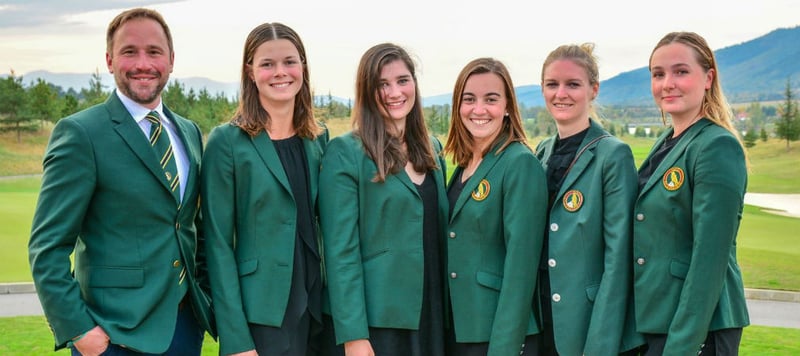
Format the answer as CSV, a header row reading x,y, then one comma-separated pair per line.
x,y
397,92
568,94
483,107
140,60
678,81
277,70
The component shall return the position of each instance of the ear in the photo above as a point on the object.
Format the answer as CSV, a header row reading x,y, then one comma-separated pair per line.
x,y
710,78
109,61
595,90
249,68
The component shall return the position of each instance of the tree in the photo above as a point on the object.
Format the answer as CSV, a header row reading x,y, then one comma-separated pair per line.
x,y
96,93
788,125
13,115
763,134
43,103
750,138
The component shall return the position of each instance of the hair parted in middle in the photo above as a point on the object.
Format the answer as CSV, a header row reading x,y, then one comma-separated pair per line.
x,y
250,115
459,140
371,124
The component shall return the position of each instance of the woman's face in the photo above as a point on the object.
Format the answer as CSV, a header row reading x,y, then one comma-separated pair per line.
x,y
483,107
567,92
397,92
277,71
678,82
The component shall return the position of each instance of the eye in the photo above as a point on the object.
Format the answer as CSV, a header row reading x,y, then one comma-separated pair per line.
x,y
266,65
468,99
657,74
551,85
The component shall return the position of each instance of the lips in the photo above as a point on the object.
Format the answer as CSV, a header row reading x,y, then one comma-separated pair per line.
x,y
480,122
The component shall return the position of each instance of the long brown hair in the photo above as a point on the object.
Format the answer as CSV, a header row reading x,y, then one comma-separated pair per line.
x,y
250,115
370,123
459,140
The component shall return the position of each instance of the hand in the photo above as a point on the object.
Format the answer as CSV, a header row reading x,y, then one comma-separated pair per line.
x,y
246,353
95,342
360,347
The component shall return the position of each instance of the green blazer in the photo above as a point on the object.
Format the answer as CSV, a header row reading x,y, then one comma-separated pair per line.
x,y
104,198
589,248
372,238
493,247
686,278
250,221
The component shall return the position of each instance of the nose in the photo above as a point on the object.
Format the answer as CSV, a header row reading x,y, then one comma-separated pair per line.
x,y
562,91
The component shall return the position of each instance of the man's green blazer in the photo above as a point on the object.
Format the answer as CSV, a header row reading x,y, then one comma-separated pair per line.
x,y
104,197
250,223
686,278
372,238
589,247
494,245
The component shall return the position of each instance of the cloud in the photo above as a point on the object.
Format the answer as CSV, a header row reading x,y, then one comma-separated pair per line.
x,y
18,14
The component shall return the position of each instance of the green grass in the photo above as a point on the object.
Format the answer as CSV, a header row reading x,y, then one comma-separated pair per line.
x,y
17,203
768,250
29,335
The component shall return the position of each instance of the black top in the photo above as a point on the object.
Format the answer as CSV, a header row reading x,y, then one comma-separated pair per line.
x,y
650,166
431,328
564,152
455,188
306,280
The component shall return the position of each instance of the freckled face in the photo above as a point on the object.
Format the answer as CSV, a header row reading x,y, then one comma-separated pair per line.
x,y
678,82
483,107
277,70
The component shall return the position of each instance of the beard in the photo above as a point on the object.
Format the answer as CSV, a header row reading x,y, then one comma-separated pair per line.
x,y
141,93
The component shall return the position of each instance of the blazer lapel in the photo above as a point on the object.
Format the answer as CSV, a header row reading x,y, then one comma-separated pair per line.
x,y
489,160
313,155
673,155
130,132
192,154
584,159
266,150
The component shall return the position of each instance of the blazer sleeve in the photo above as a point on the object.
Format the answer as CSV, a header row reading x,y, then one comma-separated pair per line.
x,y
718,180
339,217
219,218
524,209
67,186
619,179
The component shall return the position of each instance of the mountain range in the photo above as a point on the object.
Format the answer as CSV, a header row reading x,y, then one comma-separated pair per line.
x,y
756,70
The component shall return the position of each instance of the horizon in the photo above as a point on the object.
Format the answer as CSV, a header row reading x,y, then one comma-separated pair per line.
x,y
44,35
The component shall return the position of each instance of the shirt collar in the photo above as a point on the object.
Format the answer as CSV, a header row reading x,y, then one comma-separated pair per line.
x,y
137,111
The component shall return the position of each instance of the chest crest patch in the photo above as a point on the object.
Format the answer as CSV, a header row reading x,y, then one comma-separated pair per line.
x,y
573,200
482,191
673,178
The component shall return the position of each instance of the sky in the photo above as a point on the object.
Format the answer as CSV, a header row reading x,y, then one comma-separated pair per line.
x,y
69,36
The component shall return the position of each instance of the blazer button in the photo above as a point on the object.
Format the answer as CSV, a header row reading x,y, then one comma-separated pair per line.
x,y
452,234
551,262
640,261
453,275
176,263
177,226
553,227
640,217
556,297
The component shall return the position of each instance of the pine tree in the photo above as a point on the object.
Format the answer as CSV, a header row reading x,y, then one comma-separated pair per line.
x,y
788,125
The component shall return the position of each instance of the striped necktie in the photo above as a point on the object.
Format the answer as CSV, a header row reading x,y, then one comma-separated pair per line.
x,y
159,139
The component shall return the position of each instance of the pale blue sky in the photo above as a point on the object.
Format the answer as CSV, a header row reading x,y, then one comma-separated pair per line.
x,y
69,36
